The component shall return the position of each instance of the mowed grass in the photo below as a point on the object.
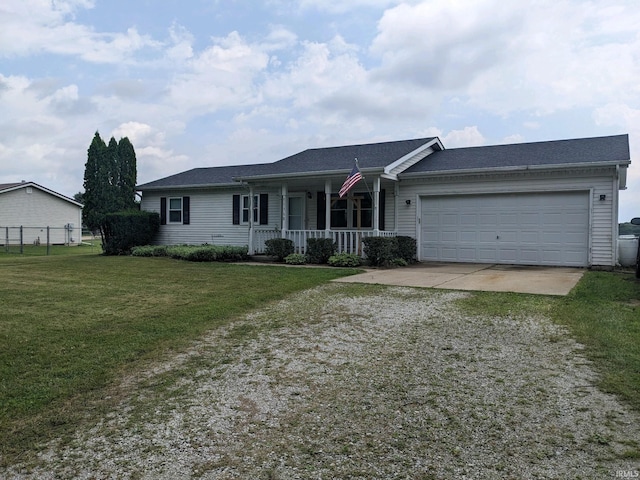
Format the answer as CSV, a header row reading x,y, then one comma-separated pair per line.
x,y
72,325
602,312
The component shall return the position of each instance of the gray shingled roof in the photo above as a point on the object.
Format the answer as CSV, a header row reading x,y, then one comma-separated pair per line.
x,y
373,155
551,153
331,159
379,155
4,186
207,176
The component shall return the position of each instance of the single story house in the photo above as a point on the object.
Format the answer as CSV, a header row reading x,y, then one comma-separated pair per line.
x,y
542,203
27,209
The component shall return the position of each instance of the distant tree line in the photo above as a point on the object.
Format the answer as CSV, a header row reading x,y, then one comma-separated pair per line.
x,y
109,200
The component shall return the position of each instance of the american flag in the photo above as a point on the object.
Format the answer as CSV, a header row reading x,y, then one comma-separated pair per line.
x,y
354,177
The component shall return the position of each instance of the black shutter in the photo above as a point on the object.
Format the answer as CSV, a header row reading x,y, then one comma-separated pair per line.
x,y
163,210
236,210
186,207
321,223
264,209
381,210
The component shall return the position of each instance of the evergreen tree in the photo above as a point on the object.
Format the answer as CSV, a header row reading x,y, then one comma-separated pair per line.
x,y
109,180
127,173
92,213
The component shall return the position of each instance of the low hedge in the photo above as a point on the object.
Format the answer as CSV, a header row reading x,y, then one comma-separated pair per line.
x,y
279,248
320,249
386,251
121,231
194,253
345,260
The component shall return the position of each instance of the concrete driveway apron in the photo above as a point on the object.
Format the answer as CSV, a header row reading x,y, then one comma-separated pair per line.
x,y
473,276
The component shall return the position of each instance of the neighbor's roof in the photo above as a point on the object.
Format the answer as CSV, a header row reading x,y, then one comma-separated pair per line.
x,y
314,160
581,151
7,187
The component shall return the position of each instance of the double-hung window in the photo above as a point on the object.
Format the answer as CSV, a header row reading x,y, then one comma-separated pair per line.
x,y
243,209
247,208
175,210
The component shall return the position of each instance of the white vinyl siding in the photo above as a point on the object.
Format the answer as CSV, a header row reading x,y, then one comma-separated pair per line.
x,y
210,217
602,214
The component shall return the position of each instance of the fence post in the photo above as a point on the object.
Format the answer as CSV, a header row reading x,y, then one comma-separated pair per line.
x,y
48,244
21,241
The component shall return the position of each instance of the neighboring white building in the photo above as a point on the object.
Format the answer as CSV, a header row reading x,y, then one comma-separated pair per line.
x,y
34,208
543,203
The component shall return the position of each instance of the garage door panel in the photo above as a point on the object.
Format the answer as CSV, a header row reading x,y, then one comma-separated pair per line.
x,y
468,237
537,228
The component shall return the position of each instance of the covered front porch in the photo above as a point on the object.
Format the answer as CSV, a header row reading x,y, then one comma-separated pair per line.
x,y
312,208
347,241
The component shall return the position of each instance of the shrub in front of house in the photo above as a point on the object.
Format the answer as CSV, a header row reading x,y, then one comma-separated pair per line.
x,y
320,249
121,231
386,251
345,260
149,251
279,248
295,259
407,249
194,253
379,251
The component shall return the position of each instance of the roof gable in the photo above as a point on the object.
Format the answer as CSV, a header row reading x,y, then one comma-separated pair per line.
x,y
9,187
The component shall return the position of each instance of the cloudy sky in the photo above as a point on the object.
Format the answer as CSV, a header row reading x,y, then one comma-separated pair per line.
x,y
218,82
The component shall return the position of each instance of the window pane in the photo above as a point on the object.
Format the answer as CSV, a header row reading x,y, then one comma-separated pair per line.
x,y
338,218
245,216
175,204
365,219
175,216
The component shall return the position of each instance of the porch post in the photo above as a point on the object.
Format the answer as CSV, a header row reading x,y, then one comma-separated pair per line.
x,y
251,206
396,195
376,206
327,209
285,209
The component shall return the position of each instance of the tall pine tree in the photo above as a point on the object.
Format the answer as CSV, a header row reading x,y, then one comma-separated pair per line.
x,y
109,180
128,173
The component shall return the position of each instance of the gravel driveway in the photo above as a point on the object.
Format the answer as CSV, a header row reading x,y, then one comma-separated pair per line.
x,y
398,383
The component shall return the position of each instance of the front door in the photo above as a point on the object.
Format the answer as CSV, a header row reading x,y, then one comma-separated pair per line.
x,y
296,213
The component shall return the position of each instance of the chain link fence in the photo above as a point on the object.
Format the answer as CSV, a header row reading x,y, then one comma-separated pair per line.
x,y
37,240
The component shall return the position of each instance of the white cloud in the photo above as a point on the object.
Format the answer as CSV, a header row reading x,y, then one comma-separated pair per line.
x,y
35,26
467,137
223,75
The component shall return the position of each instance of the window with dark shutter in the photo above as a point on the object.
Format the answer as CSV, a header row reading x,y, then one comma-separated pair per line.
x,y
264,209
321,221
236,210
163,210
186,207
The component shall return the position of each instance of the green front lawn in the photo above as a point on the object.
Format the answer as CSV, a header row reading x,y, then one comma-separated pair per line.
x,y
72,324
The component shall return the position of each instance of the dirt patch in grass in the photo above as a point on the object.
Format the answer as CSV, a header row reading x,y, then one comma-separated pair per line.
x,y
346,381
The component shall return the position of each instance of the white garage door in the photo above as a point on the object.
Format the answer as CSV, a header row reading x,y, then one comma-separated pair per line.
x,y
526,229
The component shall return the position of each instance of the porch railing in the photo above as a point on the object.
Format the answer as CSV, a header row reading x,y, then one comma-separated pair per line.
x,y
347,241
